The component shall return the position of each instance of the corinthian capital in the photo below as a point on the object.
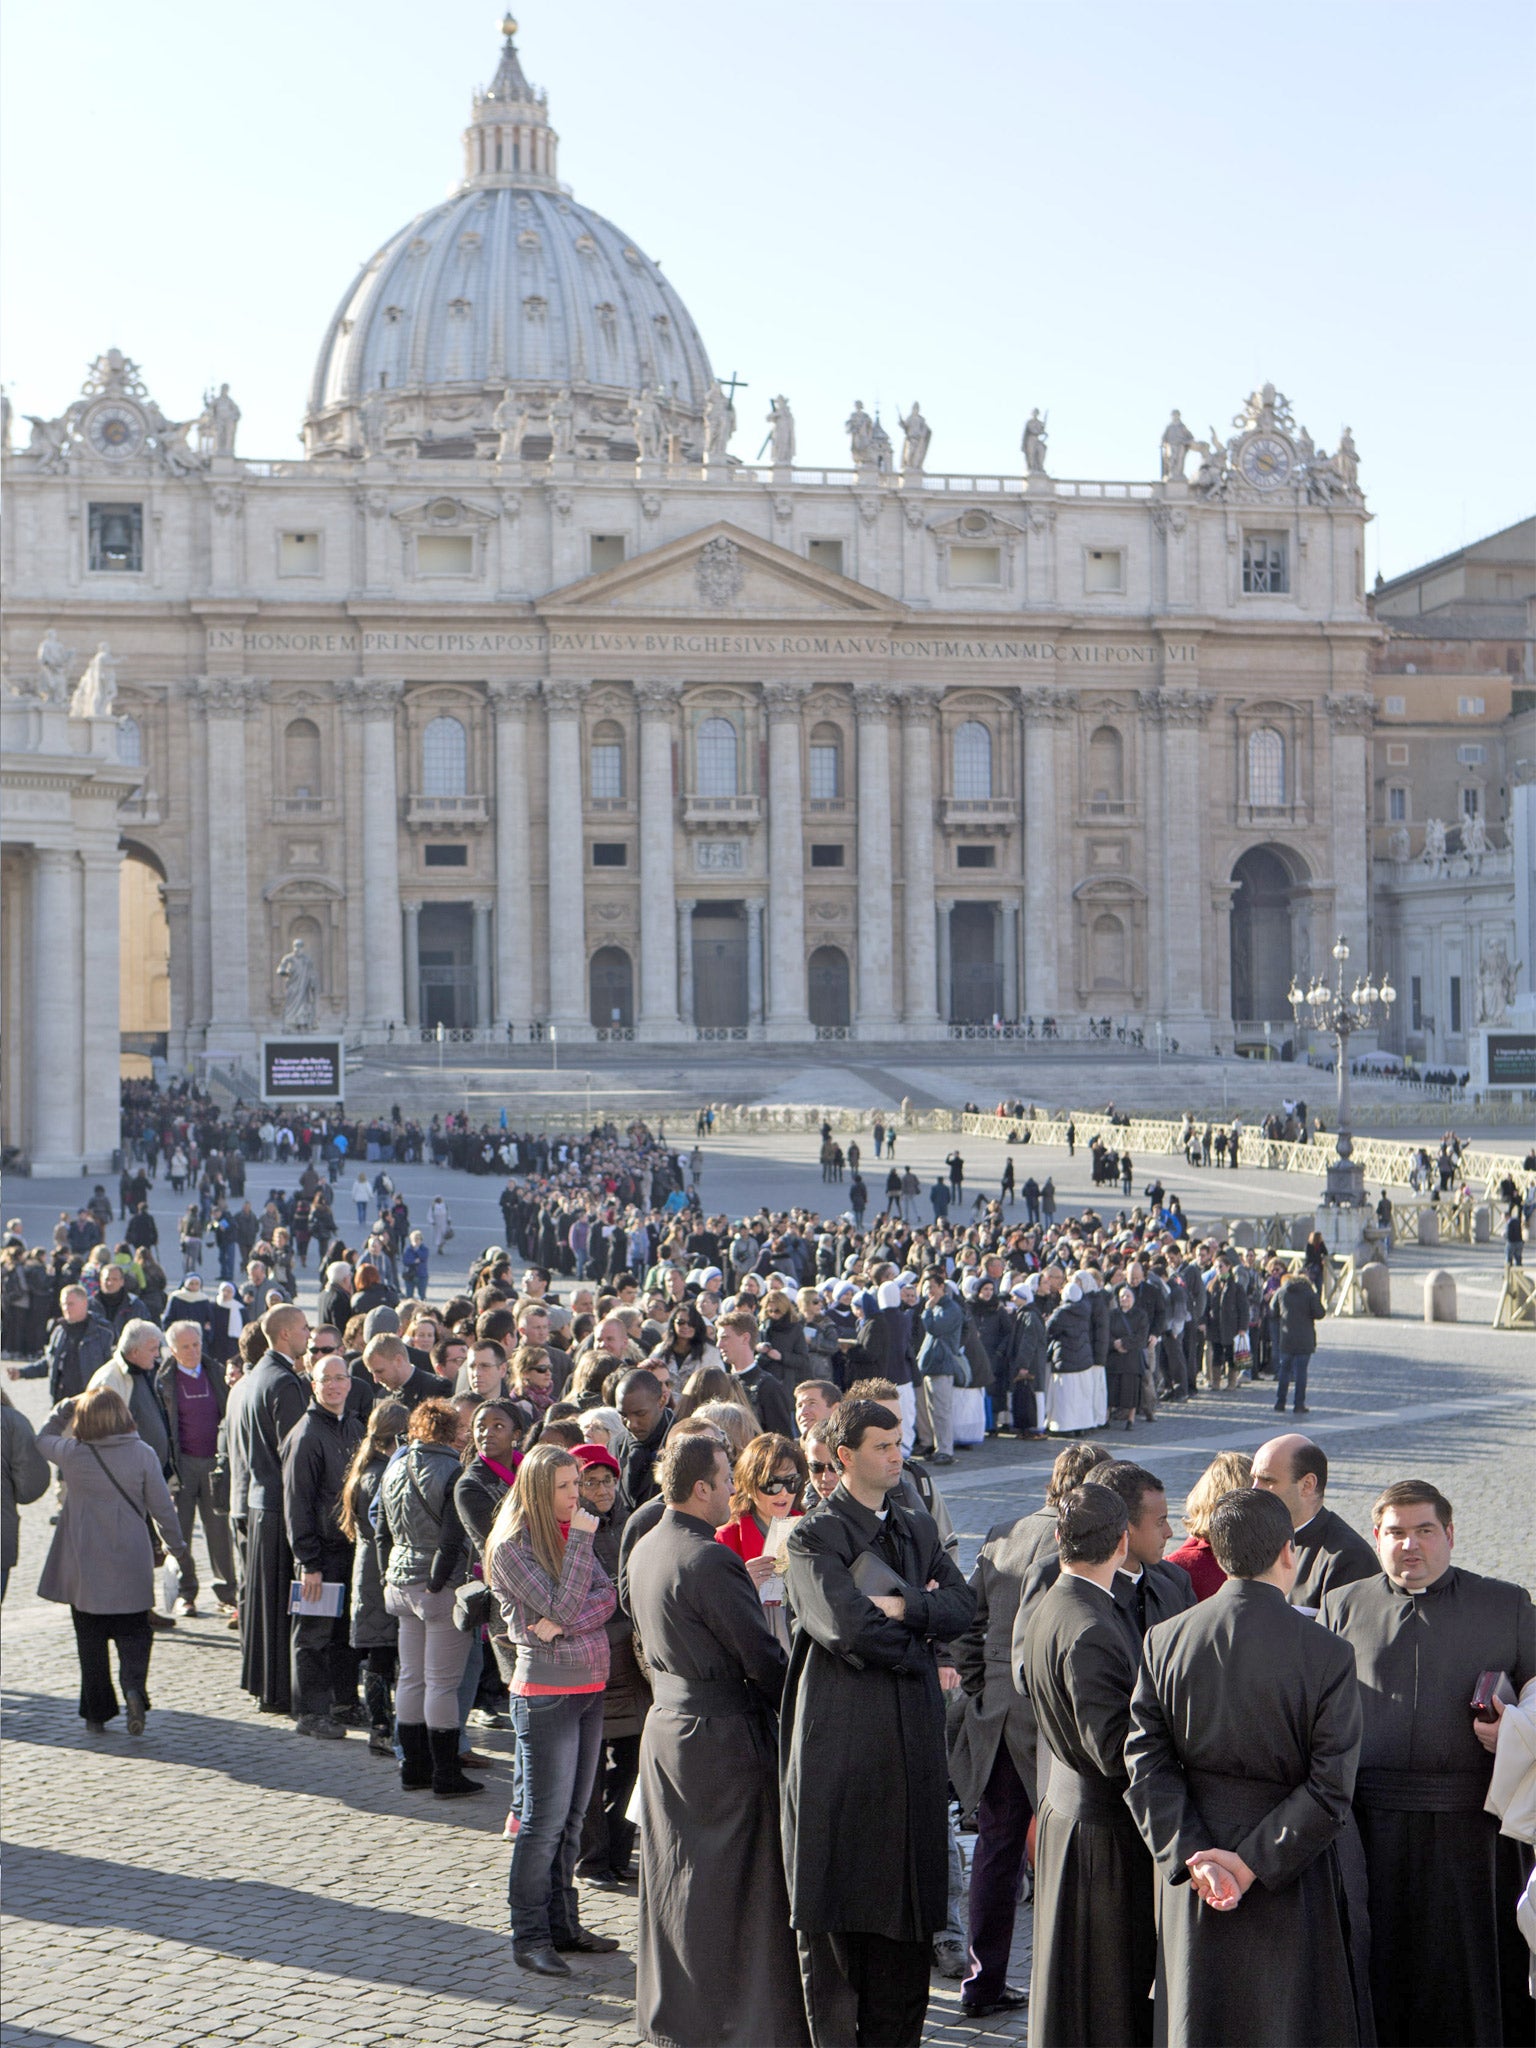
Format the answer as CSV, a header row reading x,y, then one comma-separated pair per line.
x,y
872,702
511,695
920,704
228,696
371,696
563,695
1177,708
1047,704
657,696
1351,710
784,695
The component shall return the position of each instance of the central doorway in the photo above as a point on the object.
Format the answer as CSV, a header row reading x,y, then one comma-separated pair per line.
x,y
720,966
1261,937
975,971
446,953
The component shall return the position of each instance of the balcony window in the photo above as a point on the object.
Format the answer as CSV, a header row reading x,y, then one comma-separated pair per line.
x,y
444,759
1266,769
716,750
973,761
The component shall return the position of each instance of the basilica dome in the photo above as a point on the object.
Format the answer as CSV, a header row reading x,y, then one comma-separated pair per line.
x,y
508,287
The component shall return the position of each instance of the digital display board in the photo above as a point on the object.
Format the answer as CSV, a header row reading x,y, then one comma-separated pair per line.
x,y
1512,1059
303,1069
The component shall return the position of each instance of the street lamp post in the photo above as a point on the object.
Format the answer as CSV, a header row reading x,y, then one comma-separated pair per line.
x,y
1330,1009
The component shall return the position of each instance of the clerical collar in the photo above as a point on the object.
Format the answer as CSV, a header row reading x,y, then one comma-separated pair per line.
x,y
1135,1577
1305,1526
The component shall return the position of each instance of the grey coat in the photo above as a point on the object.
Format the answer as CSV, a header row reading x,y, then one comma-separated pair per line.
x,y
23,1478
101,1559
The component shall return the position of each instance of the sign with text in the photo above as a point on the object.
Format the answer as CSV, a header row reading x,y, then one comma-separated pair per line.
x,y
1512,1059
303,1069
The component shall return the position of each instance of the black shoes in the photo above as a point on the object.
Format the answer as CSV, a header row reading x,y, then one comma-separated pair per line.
x,y
449,1780
1011,1999
584,1943
321,1725
416,1757
137,1707
540,1958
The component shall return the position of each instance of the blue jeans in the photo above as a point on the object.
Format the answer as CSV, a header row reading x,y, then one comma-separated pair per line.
x,y
560,1736
1293,1362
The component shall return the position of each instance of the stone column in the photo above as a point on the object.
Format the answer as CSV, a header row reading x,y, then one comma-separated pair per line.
x,y
1183,713
567,882
413,965
919,717
511,697
941,921
484,947
875,1015
754,959
686,905
227,702
1009,916
178,916
375,700
58,946
1045,709
788,1007
656,1017
1351,716
100,1010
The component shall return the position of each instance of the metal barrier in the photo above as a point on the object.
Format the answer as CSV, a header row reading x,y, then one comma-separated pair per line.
x,y
1517,1301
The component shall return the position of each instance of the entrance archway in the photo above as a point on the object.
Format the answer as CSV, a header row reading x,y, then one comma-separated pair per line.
x,y
1264,889
144,961
446,964
828,979
611,982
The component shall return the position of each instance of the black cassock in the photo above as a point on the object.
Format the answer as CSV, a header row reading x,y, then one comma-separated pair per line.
x,y
717,1964
995,1710
1245,1729
1095,1940
1329,1554
276,1400
861,1731
1447,1964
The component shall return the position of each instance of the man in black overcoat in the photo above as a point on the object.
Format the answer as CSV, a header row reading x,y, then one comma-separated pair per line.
x,y
865,1777
1329,1552
276,1398
315,1455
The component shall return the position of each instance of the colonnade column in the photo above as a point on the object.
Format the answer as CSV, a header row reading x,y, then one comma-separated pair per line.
x,y
872,704
919,717
413,965
941,924
58,943
375,700
567,881
1350,718
227,702
686,905
483,945
657,1016
788,1008
1008,912
1044,711
101,1023
511,697
754,959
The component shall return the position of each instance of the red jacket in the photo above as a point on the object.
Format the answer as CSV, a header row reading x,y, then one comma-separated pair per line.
x,y
1199,1560
743,1535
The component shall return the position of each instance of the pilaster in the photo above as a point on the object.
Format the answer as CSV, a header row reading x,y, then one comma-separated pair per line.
x,y
788,1017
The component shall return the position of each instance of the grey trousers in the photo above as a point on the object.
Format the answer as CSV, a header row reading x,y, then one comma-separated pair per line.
x,y
941,1409
432,1654
194,1497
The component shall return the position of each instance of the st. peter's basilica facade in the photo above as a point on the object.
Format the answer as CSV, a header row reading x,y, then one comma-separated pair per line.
x,y
522,701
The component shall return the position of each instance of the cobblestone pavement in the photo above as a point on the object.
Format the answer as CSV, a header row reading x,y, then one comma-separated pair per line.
x,y
221,1881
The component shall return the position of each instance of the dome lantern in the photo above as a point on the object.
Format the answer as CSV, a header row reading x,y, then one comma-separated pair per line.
x,y
509,140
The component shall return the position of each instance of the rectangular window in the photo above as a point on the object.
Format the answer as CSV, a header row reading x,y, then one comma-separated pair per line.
x,y
1395,706
824,773
1397,806
606,551
1416,1000
445,856
826,856
1471,756
972,568
826,554
1470,707
117,538
445,554
1455,1005
298,554
1103,570
607,770
1471,802
1266,566
1397,757
975,856
610,853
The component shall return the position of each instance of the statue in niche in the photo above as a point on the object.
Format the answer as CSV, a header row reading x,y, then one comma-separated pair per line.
x,y
1033,443
1176,444
1434,845
860,429
53,659
96,691
298,970
916,434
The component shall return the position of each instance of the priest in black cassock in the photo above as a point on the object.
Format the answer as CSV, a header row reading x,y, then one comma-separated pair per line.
x,y
1148,1588
1329,1552
1095,1941
274,1400
1447,1964
861,1733
717,1963
1245,1729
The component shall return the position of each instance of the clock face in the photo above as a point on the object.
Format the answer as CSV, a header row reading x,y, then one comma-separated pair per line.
x,y
1266,462
115,431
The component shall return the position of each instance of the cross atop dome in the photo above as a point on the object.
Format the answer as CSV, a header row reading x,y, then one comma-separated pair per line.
x,y
509,140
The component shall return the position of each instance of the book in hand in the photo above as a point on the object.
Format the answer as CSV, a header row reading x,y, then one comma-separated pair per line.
x,y
1493,1689
328,1605
875,1579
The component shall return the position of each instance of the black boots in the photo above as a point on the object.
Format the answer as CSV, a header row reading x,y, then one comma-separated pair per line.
x,y
416,1772
448,1777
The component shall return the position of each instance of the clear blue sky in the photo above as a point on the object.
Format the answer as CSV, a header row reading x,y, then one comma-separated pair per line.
x,y
1102,209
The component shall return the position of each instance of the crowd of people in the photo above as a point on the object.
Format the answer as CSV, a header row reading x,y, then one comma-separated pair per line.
x,y
657,1490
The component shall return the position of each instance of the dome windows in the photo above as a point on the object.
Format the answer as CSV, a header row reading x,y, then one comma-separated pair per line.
x,y
529,239
535,309
585,246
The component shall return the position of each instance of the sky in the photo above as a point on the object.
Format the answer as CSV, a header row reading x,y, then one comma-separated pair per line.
x,y
1102,209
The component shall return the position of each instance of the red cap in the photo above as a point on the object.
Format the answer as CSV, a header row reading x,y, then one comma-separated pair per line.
x,y
587,1455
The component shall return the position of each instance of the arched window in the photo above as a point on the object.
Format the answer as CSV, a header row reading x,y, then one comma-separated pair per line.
x,y
1266,768
444,759
130,743
301,758
973,760
718,767
608,762
1108,952
826,762
1106,769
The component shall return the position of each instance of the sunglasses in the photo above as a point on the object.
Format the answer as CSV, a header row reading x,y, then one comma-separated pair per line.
x,y
821,1471
779,1486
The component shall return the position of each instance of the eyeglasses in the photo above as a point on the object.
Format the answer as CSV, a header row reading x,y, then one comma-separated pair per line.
x,y
821,1471
779,1486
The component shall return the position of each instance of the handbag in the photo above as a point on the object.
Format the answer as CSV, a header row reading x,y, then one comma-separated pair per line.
x,y
447,1233
471,1606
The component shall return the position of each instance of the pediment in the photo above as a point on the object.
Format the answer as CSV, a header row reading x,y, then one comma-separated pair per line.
x,y
721,572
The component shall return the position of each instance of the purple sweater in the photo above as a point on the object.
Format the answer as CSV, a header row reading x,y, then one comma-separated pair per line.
x,y
580,1600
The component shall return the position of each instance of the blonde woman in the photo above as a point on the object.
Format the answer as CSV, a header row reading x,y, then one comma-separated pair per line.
x,y
556,1598
1228,1472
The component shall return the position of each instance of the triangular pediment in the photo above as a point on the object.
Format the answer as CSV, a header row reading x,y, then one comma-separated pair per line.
x,y
724,572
